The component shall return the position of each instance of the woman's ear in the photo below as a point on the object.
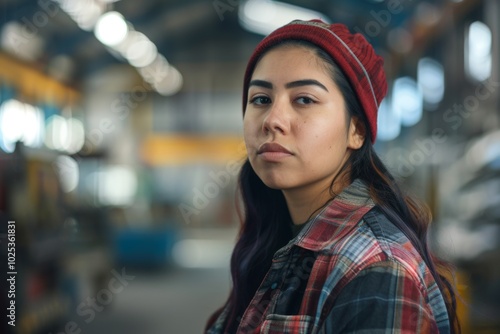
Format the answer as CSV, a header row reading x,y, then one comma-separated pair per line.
x,y
357,134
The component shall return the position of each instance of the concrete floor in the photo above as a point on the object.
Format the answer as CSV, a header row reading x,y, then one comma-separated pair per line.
x,y
172,302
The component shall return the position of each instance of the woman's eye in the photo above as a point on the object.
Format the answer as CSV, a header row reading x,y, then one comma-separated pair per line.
x,y
260,100
305,100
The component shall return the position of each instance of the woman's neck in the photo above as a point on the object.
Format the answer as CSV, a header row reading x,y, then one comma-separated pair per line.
x,y
305,202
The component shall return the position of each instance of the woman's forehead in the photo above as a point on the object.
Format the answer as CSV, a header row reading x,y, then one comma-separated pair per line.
x,y
290,63
297,50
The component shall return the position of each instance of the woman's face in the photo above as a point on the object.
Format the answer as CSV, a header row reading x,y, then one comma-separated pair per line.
x,y
295,125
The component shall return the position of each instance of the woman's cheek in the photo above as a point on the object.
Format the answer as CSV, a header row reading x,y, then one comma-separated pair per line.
x,y
247,133
250,142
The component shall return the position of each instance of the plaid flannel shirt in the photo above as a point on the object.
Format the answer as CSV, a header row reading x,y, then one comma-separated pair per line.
x,y
349,270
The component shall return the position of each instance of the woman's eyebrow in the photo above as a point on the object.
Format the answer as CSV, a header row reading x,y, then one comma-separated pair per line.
x,y
298,83
305,82
261,83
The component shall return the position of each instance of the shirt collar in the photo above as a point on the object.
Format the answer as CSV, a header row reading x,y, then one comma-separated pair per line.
x,y
336,219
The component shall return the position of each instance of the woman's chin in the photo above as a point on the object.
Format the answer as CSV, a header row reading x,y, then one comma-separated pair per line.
x,y
277,179
278,184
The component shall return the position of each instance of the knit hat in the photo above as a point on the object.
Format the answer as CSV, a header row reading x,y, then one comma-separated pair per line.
x,y
351,52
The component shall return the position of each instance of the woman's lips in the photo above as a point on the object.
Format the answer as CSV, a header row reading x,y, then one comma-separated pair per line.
x,y
273,152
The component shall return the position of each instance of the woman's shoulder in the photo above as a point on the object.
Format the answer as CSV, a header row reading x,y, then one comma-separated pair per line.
x,y
372,234
376,242
392,241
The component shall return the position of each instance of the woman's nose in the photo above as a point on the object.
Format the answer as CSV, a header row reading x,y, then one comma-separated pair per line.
x,y
276,119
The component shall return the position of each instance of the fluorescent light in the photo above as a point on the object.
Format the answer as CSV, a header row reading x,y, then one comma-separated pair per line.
x,y
56,132
265,16
68,172
11,120
407,101
117,185
111,29
170,84
430,75
76,136
32,126
478,62
389,123
164,78
20,122
140,51
89,15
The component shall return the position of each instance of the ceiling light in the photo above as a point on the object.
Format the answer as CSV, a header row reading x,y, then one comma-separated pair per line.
x,y
478,42
140,51
170,84
389,123
265,16
407,101
68,172
430,74
111,29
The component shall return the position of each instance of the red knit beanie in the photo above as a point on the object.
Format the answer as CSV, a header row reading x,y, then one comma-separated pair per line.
x,y
351,52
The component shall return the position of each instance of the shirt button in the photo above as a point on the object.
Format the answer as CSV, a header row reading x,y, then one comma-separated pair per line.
x,y
274,285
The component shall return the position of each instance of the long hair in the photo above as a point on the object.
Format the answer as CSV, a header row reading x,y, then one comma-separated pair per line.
x,y
266,222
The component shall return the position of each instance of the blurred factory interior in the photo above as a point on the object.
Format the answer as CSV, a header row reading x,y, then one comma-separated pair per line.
x,y
121,137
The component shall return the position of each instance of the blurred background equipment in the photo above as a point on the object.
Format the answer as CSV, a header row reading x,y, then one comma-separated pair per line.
x,y
121,140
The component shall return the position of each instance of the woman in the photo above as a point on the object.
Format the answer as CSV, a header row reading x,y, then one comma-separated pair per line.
x,y
329,243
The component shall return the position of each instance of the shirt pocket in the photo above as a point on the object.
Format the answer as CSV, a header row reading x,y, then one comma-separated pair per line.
x,y
290,324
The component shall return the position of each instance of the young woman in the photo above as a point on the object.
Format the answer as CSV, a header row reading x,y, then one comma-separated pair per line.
x,y
329,243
